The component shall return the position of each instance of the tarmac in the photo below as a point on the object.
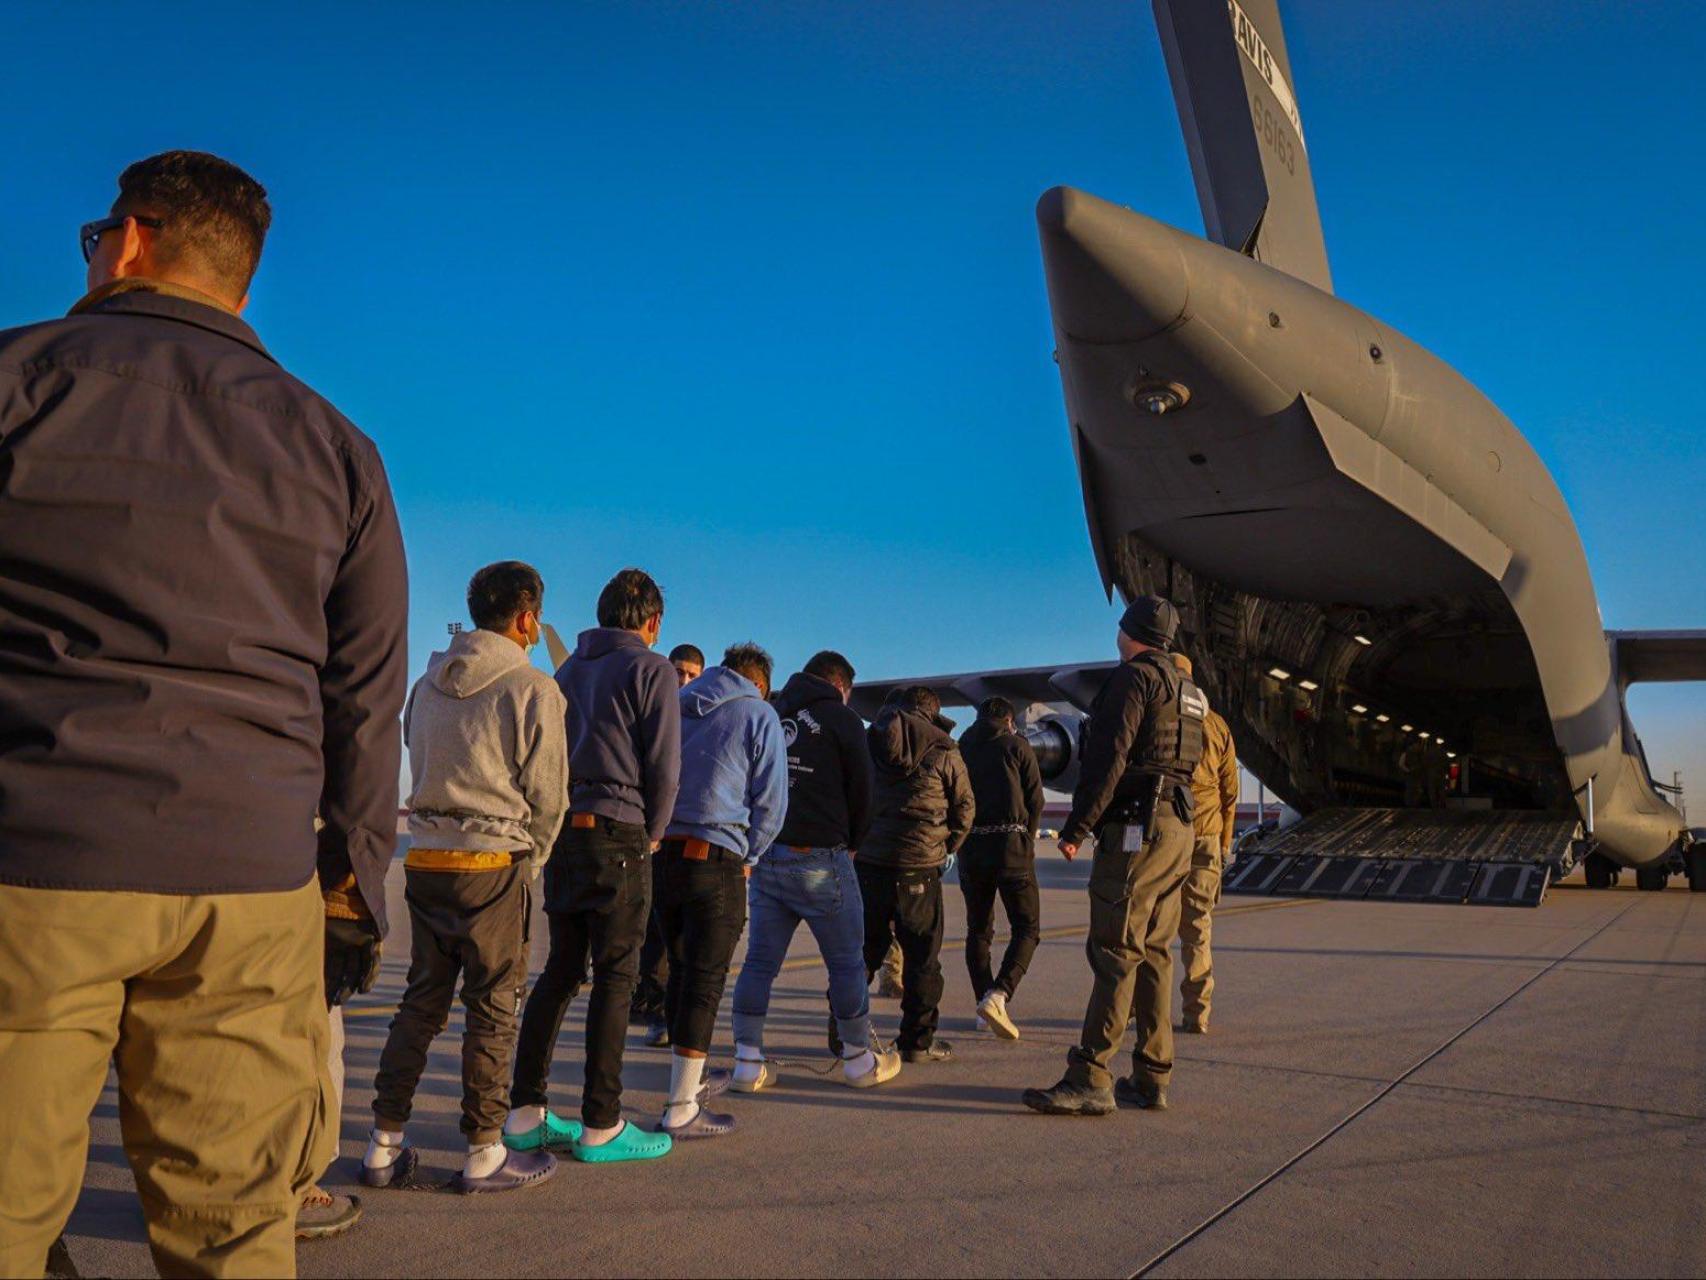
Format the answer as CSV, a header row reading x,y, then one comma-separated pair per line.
x,y
1387,1089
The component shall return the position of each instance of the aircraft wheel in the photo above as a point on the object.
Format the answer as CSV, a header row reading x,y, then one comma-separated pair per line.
x,y
1652,879
1696,860
1601,871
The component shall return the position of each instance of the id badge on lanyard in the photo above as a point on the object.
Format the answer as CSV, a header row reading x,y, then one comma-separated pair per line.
x,y
1131,838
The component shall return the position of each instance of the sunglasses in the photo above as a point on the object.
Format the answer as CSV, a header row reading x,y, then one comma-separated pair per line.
x,y
89,236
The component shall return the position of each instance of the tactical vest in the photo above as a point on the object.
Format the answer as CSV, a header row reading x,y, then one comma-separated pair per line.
x,y
1170,739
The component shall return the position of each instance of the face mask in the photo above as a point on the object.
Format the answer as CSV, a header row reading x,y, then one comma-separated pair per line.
x,y
532,639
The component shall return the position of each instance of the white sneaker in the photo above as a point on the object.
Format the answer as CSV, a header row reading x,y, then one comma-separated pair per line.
x,y
763,1080
981,1024
885,1068
993,1009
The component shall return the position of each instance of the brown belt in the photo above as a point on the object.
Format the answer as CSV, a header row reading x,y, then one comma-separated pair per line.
x,y
583,821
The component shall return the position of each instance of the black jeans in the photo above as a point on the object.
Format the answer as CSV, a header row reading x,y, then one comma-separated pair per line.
x,y
908,899
598,892
702,911
1019,896
654,963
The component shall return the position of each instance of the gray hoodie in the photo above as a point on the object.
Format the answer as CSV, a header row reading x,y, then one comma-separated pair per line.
x,y
484,728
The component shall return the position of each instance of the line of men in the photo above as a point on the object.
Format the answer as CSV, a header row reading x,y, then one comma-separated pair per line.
x,y
202,670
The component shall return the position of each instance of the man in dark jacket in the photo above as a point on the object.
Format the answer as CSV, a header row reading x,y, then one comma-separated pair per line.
x,y
924,810
203,607
1000,857
1141,744
624,732
808,875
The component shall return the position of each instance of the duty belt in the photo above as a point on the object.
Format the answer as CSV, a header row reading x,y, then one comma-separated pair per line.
x,y
1002,829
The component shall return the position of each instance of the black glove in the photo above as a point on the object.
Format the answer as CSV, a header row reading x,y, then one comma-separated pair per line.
x,y
352,959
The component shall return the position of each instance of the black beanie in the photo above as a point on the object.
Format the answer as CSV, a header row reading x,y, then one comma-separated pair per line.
x,y
1151,620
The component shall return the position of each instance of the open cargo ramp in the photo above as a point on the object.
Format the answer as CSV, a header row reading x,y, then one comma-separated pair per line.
x,y
1485,857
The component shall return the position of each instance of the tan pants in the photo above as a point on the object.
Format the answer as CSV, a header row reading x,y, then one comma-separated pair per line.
x,y
1196,906
1134,914
212,1009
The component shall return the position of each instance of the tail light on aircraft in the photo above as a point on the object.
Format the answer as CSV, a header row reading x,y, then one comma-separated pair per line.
x,y
1157,398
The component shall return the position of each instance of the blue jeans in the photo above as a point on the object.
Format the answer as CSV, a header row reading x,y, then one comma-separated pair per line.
x,y
818,887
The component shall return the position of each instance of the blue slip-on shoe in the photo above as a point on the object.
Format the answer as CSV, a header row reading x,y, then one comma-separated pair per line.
x,y
519,1169
398,1174
633,1143
553,1135
717,1081
704,1124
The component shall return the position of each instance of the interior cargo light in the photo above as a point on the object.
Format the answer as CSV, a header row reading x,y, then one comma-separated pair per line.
x,y
1451,755
1384,718
1406,728
1279,673
1308,686
1362,640
1359,709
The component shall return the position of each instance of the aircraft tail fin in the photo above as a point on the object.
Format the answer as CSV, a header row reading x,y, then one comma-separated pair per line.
x,y
1232,83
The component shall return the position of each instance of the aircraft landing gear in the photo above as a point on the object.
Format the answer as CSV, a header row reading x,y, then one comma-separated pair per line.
x,y
1601,871
1652,879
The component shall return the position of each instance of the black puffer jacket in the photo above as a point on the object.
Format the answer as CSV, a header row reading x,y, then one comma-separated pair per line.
x,y
1008,787
829,766
924,802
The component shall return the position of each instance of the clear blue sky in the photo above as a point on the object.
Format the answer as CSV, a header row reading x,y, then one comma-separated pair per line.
x,y
750,294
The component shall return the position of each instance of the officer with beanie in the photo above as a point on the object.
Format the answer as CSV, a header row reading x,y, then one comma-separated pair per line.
x,y
1141,744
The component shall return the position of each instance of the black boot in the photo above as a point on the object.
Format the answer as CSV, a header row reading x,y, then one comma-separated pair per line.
x,y
1145,1097
1068,1098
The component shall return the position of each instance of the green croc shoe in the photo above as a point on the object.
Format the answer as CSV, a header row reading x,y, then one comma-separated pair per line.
x,y
633,1143
552,1135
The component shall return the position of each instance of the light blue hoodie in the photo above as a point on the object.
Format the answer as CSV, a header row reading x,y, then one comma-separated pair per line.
x,y
734,765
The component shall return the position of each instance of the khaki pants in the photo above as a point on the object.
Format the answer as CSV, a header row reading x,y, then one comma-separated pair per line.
x,y
1196,906
212,1009
1134,914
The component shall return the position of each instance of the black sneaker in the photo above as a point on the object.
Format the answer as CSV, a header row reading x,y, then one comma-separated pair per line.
x,y
1145,1097
1070,1099
935,1051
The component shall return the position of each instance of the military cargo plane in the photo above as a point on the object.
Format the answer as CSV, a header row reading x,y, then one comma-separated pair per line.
x,y
1379,583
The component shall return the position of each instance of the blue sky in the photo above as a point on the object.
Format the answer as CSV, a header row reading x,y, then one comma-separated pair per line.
x,y
750,294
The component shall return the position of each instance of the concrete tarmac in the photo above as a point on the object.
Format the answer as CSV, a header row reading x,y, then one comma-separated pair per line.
x,y
1387,1089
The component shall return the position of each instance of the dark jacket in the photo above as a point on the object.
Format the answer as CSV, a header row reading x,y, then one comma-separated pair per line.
x,y
624,723
1109,777
923,798
829,766
203,613
1008,788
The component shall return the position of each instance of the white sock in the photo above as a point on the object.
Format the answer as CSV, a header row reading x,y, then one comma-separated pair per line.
x,y
383,1148
857,1062
483,1161
685,1076
524,1119
749,1063
591,1137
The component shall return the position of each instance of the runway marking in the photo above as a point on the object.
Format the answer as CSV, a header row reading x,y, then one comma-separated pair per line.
x,y
1380,1095
816,961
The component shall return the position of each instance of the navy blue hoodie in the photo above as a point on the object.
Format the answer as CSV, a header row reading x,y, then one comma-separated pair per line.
x,y
624,729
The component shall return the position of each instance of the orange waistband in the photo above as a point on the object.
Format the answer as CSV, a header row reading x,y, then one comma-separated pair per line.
x,y
458,860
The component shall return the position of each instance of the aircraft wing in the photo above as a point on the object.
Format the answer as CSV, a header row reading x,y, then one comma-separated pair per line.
x,y
1658,655
1238,110
1074,683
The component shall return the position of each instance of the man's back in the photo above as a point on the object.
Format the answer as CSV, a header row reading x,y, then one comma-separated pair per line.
x,y
1214,784
184,525
624,729
923,800
829,766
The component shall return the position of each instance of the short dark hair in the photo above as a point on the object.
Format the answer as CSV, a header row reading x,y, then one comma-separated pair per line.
x,y
827,664
921,697
996,709
750,660
629,600
500,591
688,653
212,212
